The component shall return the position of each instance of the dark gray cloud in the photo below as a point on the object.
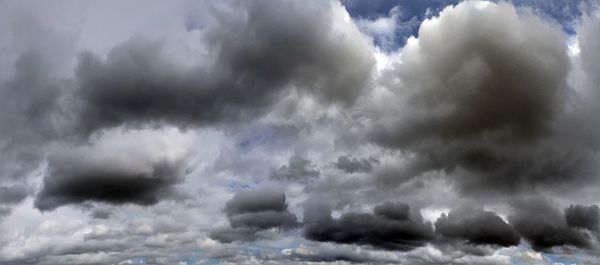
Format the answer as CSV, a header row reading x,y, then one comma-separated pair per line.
x,y
297,169
476,226
66,187
351,164
109,173
544,226
389,228
250,211
30,94
13,194
260,49
477,104
393,210
580,216
256,200
483,101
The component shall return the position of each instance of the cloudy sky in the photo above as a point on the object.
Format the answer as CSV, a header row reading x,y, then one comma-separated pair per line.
x,y
300,132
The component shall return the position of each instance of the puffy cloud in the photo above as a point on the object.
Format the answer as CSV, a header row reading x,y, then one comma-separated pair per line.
x,y
389,228
254,51
477,104
251,211
481,96
32,84
580,216
545,226
297,169
140,172
476,226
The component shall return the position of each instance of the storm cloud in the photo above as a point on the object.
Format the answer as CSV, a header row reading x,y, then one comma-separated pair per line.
x,y
544,226
297,132
587,217
254,53
250,211
390,227
141,172
297,169
476,226
484,89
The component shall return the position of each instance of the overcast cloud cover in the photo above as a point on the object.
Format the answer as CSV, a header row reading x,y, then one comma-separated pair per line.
x,y
299,132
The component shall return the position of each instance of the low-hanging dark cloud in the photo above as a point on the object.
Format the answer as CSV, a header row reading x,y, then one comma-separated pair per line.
x,y
110,174
544,226
251,211
489,103
586,217
390,227
476,226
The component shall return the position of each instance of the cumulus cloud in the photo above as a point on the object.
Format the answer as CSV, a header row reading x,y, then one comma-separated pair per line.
x,y
587,217
124,146
544,226
141,172
255,52
297,169
482,92
31,88
476,226
390,227
251,211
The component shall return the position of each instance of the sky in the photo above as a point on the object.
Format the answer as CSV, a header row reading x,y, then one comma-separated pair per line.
x,y
300,132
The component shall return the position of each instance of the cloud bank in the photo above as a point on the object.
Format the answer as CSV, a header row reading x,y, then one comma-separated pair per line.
x,y
295,132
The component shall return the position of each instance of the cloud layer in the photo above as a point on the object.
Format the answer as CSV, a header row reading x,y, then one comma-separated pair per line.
x,y
295,132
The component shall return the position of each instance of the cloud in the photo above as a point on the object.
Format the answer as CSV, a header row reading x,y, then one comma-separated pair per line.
x,y
329,252
481,96
13,194
146,143
350,164
545,226
251,211
389,228
589,43
142,172
476,226
31,90
254,52
580,216
430,255
297,169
